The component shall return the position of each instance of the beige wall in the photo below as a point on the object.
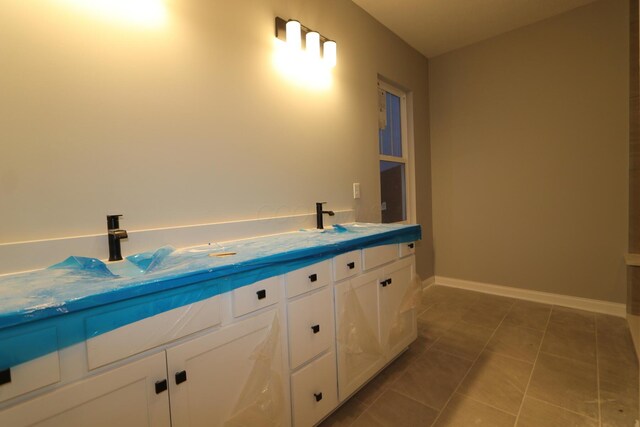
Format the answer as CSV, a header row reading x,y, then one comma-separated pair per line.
x,y
529,137
190,122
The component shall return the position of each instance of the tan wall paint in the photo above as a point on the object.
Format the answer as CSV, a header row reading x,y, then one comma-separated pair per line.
x,y
191,123
529,137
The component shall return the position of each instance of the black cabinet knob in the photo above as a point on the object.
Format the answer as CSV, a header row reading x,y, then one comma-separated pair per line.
x,y
411,245
262,294
384,283
313,277
5,376
181,377
318,396
161,386
315,329
351,265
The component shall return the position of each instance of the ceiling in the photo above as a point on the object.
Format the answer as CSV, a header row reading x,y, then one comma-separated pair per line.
x,y
438,26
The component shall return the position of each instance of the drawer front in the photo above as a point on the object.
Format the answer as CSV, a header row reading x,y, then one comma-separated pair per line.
x,y
407,249
256,296
311,329
378,255
308,278
150,332
314,392
34,374
346,265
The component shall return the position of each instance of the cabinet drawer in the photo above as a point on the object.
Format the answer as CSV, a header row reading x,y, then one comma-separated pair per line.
x,y
311,329
34,374
408,248
308,278
346,265
147,333
313,390
256,296
378,255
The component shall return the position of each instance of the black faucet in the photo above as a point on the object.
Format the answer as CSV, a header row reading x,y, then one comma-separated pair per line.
x,y
115,234
320,212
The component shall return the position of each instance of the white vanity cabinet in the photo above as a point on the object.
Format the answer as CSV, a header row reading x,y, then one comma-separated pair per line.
x,y
284,350
374,320
225,374
133,395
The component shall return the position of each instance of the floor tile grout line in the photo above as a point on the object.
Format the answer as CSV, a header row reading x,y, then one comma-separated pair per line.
x,y
485,404
533,368
368,406
563,408
571,359
469,370
598,374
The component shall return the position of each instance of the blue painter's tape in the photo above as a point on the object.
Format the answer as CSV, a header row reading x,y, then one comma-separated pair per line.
x,y
80,305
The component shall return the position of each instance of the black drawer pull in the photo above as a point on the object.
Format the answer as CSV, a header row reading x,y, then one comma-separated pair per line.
x,y
318,396
411,245
5,376
315,329
181,377
384,283
161,386
351,265
262,294
313,277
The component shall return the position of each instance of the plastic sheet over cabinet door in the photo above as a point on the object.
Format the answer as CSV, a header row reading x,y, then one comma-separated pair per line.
x,y
122,397
210,375
360,355
397,320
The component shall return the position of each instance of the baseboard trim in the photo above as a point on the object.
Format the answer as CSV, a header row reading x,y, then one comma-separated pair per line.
x,y
598,306
429,281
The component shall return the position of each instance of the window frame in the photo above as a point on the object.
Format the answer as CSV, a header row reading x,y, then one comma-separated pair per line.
x,y
406,131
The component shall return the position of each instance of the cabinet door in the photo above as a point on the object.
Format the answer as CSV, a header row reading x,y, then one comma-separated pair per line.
x,y
123,397
397,320
360,355
233,375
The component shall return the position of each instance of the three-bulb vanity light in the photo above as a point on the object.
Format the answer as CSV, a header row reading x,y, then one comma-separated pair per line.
x,y
316,46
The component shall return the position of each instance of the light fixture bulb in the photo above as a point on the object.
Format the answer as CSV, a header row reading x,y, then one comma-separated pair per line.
x,y
329,53
313,45
294,40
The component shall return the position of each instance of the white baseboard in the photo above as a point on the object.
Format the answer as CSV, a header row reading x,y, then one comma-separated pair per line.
x,y
36,254
598,306
429,281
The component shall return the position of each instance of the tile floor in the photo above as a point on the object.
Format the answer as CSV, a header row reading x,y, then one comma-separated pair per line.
x,y
486,360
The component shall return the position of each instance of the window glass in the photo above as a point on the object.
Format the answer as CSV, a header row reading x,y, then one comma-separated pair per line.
x,y
391,136
393,191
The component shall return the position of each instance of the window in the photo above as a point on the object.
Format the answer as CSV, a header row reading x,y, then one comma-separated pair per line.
x,y
394,155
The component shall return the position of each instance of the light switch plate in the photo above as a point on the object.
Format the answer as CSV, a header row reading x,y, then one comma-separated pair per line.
x,y
356,190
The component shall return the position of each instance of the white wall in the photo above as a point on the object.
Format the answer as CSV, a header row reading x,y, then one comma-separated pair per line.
x,y
190,122
529,132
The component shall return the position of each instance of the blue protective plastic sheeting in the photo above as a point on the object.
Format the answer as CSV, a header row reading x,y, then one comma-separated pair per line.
x,y
69,296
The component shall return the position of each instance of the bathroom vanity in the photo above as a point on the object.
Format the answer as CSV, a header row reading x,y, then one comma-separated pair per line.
x,y
282,339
